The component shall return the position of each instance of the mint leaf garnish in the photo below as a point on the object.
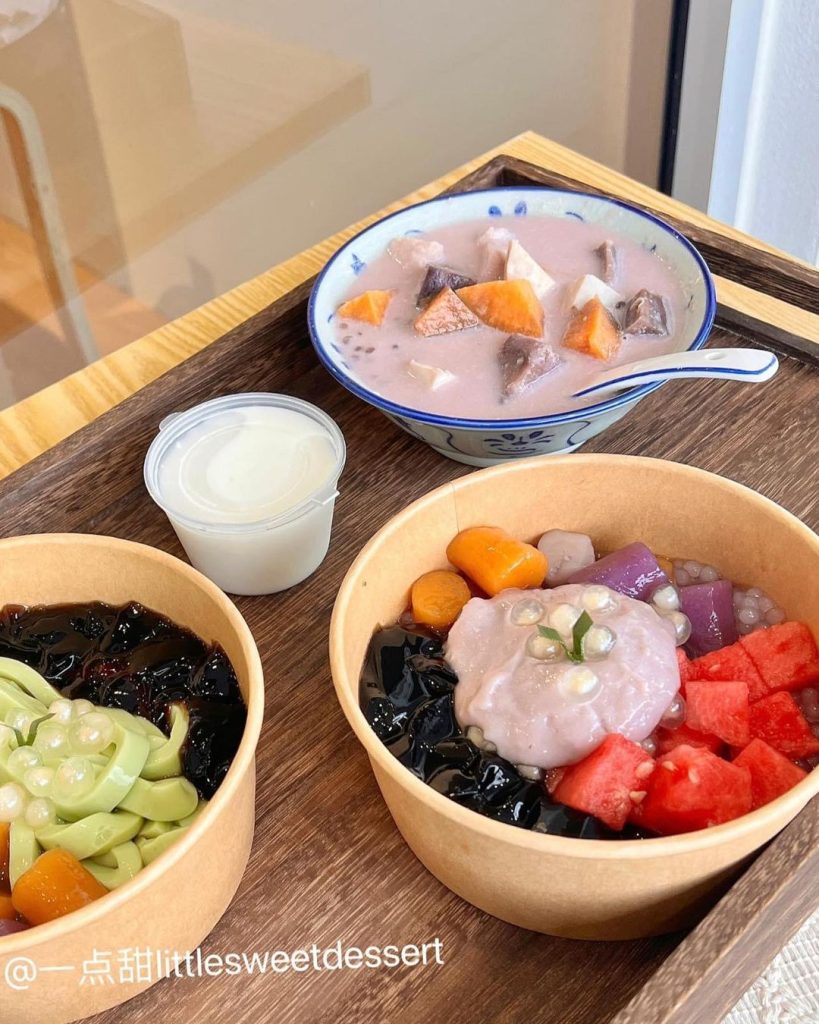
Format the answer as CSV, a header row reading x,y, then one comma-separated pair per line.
x,y
579,630
551,634
34,728
28,741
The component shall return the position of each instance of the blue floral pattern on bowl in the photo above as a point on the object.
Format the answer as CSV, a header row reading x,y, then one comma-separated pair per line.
x,y
488,448
518,445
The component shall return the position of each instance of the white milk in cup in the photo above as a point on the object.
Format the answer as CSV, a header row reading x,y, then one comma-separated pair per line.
x,y
249,483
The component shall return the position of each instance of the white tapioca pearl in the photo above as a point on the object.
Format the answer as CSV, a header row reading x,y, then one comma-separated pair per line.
x,y
475,735
19,719
38,780
13,801
580,683
666,598
563,617
682,627
674,713
74,778
681,577
40,812
599,599
526,612
543,648
62,710
649,745
598,642
91,733
52,740
23,758
82,707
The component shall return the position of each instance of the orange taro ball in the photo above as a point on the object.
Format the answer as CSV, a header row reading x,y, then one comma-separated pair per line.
x,y
56,884
438,597
496,560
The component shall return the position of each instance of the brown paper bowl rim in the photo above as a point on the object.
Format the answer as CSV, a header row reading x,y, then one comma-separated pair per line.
x,y
242,763
591,849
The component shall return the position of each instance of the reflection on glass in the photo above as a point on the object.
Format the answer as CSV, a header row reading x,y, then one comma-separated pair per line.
x,y
153,154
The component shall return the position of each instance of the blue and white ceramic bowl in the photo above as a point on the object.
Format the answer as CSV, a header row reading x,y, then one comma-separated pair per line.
x,y
488,442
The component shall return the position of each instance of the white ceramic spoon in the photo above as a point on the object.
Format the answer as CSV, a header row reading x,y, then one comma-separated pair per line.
x,y
753,366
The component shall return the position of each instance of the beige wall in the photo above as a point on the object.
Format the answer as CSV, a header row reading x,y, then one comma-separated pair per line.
x,y
292,118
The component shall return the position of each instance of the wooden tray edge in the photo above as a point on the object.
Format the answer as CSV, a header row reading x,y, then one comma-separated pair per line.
x,y
766,271
716,963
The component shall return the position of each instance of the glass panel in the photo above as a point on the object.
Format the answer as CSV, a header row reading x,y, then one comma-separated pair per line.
x,y
155,154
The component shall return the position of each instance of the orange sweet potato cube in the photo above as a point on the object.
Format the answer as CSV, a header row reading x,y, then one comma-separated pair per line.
x,y
593,331
508,306
369,307
445,313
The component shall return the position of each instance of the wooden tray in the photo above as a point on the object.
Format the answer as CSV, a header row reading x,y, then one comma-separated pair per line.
x,y
327,862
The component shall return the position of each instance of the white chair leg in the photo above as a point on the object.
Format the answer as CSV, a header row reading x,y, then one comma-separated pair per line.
x,y
44,213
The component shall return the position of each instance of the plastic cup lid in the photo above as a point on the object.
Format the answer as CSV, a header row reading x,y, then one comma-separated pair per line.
x,y
227,466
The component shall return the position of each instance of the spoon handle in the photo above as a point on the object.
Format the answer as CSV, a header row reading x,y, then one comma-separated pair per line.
x,y
753,366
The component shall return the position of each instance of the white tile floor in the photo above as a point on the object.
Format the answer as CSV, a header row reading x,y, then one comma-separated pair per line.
x,y
788,992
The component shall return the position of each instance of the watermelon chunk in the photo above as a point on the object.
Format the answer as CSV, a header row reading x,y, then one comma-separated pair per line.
x,y
686,668
778,720
772,774
668,739
720,708
786,656
690,789
608,782
730,663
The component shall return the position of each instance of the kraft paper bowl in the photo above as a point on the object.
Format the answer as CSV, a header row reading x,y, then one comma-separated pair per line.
x,y
589,889
175,902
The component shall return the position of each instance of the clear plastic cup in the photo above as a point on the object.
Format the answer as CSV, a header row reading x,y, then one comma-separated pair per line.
x,y
249,483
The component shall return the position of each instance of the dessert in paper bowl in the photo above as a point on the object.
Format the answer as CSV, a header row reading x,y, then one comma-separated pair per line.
x,y
131,699
586,700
